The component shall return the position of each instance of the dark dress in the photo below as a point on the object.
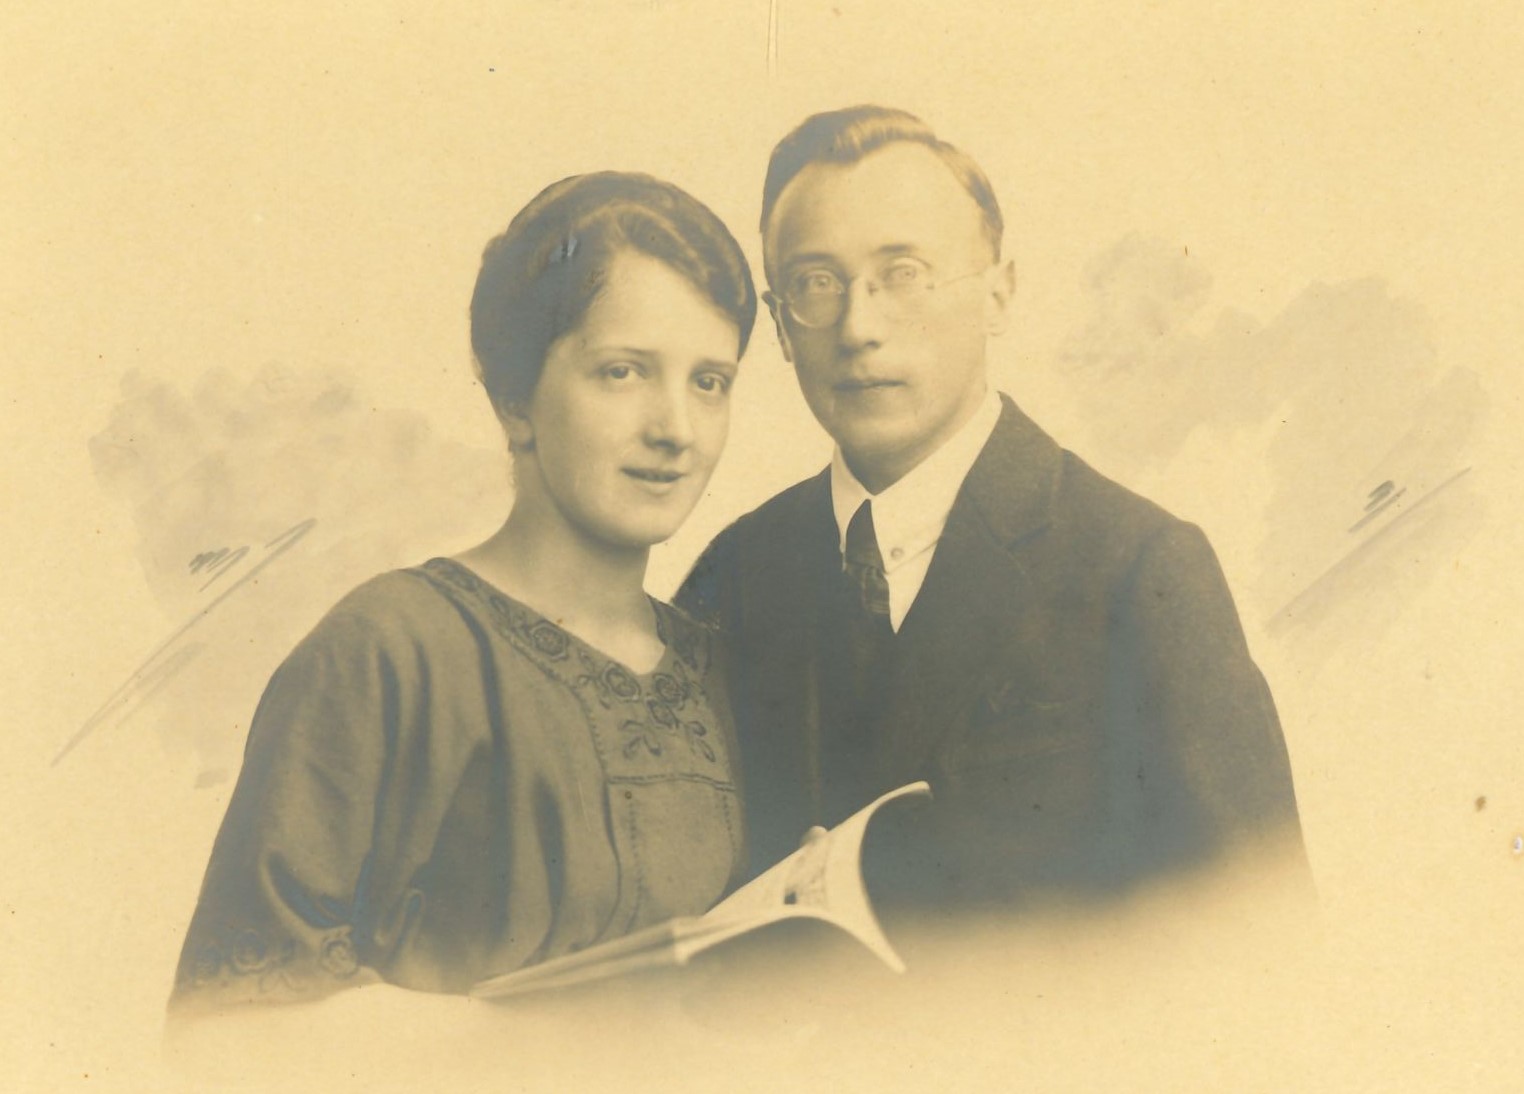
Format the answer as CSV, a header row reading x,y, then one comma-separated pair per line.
x,y
441,784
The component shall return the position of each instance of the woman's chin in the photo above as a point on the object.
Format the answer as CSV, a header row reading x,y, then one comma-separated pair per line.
x,y
637,536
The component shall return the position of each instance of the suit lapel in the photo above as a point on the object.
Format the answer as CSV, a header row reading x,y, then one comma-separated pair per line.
x,y
957,632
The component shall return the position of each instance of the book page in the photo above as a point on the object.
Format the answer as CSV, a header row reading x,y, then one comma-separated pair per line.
x,y
822,879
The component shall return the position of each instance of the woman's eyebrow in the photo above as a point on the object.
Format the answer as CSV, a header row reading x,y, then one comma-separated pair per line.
x,y
620,348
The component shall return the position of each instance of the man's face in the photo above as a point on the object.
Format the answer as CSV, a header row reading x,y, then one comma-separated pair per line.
x,y
901,369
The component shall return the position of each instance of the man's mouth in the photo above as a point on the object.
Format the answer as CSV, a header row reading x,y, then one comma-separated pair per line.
x,y
865,384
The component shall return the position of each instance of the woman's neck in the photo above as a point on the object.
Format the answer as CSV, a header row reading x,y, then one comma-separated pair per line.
x,y
595,590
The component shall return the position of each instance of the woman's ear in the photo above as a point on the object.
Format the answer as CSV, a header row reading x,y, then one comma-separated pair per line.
x,y
520,430
775,309
998,298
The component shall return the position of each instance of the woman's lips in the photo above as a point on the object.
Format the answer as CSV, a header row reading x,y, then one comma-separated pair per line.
x,y
654,479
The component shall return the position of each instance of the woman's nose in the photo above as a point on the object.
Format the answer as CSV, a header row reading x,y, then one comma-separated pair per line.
x,y
668,419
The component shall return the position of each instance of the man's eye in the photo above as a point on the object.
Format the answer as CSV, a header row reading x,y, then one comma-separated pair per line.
x,y
713,383
902,275
815,283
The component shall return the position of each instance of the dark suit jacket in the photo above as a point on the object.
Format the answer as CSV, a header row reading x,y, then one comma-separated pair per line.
x,y
1072,679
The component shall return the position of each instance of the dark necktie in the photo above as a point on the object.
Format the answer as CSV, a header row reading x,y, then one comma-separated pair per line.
x,y
859,663
864,566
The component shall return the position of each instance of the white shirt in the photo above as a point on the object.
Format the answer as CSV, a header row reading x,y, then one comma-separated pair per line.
x,y
909,516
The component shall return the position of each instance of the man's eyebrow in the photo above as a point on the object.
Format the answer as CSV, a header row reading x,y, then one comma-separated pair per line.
x,y
811,258
821,258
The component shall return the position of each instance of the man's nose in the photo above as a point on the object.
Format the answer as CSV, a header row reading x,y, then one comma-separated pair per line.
x,y
862,314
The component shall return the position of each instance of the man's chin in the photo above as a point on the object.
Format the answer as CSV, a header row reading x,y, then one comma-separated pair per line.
x,y
878,455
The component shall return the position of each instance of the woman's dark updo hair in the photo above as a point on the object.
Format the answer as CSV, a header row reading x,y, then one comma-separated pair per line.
x,y
539,277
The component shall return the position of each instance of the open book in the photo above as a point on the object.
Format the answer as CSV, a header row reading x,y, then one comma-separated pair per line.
x,y
822,880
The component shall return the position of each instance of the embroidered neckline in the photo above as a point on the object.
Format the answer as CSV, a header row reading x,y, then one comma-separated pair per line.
x,y
680,637
655,707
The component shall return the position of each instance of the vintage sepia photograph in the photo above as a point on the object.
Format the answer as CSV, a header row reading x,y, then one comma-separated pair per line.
x,y
667,545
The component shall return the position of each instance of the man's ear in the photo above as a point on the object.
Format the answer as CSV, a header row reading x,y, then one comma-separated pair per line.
x,y
775,309
998,299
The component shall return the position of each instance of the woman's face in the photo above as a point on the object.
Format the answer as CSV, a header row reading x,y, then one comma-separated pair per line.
x,y
631,411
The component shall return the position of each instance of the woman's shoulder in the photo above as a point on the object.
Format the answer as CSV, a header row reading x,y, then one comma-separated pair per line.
x,y
398,608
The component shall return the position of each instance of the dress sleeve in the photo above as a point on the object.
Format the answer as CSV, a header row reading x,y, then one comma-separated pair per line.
x,y
281,913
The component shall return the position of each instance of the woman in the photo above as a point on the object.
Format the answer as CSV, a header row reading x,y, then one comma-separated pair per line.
x,y
496,758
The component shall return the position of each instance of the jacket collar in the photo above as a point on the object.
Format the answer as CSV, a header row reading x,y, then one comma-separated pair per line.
x,y
959,632
1013,482
1011,485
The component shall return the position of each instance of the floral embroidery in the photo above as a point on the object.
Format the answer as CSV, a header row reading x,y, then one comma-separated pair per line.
x,y
338,957
643,733
207,964
668,690
549,639
696,734
512,620
620,682
664,723
612,682
250,954
665,695
502,613
249,959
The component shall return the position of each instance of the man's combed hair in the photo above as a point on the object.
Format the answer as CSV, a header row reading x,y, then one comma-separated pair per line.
x,y
846,136
539,277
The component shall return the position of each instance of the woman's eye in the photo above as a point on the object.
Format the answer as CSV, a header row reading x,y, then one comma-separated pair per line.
x,y
713,383
619,371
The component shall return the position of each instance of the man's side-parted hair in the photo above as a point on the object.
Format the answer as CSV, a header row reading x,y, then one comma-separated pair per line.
x,y
539,277
848,135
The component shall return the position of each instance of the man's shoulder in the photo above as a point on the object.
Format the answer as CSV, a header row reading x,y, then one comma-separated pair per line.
x,y
768,548
1024,470
805,503
797,516
1092,503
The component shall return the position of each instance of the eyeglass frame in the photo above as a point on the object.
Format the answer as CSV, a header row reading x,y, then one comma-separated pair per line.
x,y
774,300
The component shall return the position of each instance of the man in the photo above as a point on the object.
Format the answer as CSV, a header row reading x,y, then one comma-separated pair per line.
x,y
956,598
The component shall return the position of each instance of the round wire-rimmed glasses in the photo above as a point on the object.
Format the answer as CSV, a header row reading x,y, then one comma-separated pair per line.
x,y
816,297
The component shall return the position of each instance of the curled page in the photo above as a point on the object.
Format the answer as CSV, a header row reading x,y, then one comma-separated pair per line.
x,y
822,880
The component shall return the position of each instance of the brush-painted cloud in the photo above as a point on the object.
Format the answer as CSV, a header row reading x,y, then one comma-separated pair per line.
x,y
1346,383
215,475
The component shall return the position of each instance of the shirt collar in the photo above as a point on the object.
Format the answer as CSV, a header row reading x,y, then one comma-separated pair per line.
x,y
908,517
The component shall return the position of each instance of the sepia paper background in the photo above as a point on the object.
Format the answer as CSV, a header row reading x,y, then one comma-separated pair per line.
x,y
1267,261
